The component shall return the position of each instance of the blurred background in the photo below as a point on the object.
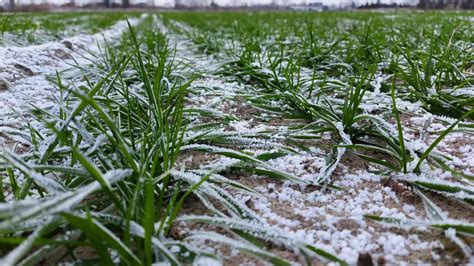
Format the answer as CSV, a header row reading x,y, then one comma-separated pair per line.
x,y
299,5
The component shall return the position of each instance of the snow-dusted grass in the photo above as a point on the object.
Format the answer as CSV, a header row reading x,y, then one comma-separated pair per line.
x,y
329,71
286,138
20,29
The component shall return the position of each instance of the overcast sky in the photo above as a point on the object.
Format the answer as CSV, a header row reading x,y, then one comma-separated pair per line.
x,y
222,2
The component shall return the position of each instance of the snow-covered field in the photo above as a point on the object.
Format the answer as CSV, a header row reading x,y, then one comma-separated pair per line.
x,y
27,76
242,139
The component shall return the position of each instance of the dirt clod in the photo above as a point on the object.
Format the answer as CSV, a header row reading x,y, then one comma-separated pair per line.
x,y
62,54
399,188
365,260
4,86
68,44
24,70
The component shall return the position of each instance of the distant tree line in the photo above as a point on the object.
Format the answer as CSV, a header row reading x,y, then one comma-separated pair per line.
x,y
106,3
443,4
423,4
379,5
426,4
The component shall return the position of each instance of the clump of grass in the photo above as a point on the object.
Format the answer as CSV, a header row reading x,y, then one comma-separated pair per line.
x,y
103,175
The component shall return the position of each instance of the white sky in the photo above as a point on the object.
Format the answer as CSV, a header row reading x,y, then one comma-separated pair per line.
x,y
220,2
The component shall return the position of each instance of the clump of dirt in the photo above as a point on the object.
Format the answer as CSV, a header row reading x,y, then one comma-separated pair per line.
x,y
241,109
4,85
365,259
68,44
62,54
194,159
24,70
347,224
11,144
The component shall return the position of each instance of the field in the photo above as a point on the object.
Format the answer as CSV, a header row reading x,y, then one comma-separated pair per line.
x,y
237,138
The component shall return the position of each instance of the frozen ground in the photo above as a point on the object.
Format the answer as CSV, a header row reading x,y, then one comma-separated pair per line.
x,y
331,219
